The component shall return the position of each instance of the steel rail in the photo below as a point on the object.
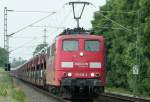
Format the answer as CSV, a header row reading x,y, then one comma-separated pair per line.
x,y
124,98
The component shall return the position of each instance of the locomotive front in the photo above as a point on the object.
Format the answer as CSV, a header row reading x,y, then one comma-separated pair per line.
x,y
80,64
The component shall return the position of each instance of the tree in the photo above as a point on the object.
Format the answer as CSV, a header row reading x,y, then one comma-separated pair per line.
x,y
3,57
39,47
128,44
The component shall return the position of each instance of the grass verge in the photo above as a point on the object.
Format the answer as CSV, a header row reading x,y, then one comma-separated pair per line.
x,y
8,92
118,90
125,92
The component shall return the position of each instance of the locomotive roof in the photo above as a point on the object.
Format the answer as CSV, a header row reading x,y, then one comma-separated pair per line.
x,y
80,36
77,32
74,31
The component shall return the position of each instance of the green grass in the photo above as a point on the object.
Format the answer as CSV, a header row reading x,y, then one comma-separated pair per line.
x,y
118,90
123,91
5,83
3,89
18,95
8,90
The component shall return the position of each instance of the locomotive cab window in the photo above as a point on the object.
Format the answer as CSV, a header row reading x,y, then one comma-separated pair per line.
x,y
92,45
70,45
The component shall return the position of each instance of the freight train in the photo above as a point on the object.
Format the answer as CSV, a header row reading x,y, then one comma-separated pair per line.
x,y
74,64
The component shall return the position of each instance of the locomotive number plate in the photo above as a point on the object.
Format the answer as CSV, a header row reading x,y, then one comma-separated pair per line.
x,y
81,64
81,74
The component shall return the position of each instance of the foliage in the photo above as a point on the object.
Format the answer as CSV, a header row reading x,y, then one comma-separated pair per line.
x,y
39,48
3,57
127,34
8,90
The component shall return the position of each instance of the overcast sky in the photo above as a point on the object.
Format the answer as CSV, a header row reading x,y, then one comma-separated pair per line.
x,y
23,43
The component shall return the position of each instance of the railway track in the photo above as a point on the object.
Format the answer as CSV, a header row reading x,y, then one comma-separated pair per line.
x,y
79,99
45,92
109,97
106,97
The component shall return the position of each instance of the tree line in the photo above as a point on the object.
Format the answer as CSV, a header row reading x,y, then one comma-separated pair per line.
x,y
3,57
125,25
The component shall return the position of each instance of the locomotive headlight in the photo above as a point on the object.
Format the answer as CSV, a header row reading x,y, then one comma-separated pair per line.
x,y
69,74
81,54
92,74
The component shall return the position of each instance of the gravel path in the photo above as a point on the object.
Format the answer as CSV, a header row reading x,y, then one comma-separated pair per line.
x,y
32,94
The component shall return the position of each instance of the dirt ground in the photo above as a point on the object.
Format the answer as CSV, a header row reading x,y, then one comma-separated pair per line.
x,y
32,94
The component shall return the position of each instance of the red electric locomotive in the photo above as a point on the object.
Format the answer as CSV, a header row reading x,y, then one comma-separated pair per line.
x,y
73,65
76,64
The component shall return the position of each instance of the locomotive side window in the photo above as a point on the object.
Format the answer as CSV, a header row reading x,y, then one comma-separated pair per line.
x,y
70,45
92,45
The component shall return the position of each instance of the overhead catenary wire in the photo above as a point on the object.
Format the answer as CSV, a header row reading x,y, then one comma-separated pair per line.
x,y
115,22
35,21
33,11
21,46
26,37
120,11
112,28
65,18
32,24
55,27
